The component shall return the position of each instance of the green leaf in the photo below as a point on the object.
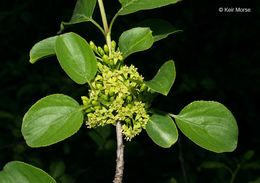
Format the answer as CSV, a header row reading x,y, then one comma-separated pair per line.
x,y
210,125
19,172
162,130
134,40
131,6
42,49
51,119
83,12
164,79
76,57
160,28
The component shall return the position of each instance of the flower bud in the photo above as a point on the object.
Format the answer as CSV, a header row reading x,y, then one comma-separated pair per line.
x,y
111,62
97,107
92,45
127,120
143,87
105,59
94,102
100,66
113,44
90,115
130,106
110,93
129,98
112,98
105,97
84,100
99,86
106,49
88,110
124,96
100,51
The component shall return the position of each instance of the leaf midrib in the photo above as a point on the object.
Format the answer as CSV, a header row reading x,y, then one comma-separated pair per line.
x,y
131,47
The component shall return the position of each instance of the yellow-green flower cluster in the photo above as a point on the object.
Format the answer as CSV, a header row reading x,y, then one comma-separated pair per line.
x,y
117,93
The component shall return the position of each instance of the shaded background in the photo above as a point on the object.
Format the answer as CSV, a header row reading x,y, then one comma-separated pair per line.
x,y
216,57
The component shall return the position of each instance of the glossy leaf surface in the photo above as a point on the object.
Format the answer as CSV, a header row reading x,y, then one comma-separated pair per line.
x,y
135,40
19,172
51,119
131,6
164,79
162,130
76,57
210,125
42,49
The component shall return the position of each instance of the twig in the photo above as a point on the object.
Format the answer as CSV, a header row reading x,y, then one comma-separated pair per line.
x,y
120,155
182,162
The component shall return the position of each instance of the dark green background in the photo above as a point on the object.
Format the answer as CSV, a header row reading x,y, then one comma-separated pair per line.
x,y
216,57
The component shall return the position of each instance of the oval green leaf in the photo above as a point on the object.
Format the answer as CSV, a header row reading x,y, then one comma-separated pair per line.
x,y
160,28
164,79
83,12
51,119
162,130
42,49
134,40
210,125
131,6
76,57
19,172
